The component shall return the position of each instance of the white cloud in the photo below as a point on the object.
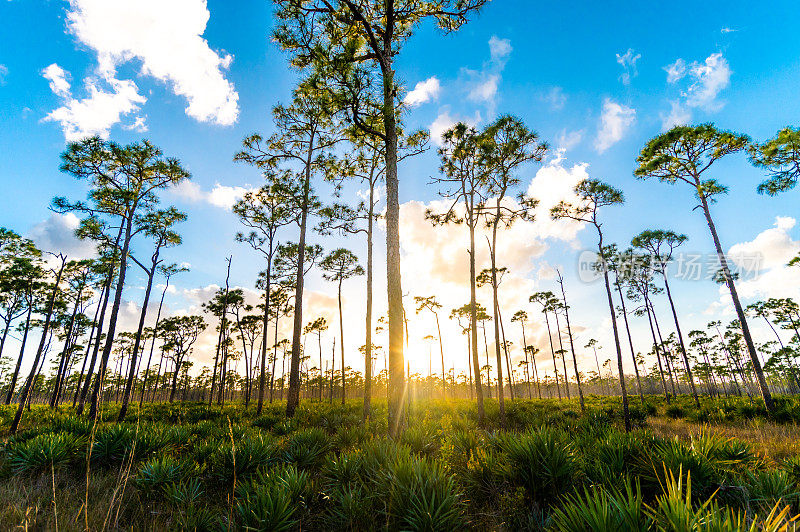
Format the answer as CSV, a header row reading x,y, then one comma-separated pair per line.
x,y
57,234
708,79
3,74
678,115
615,120
568,140
482,85
486,89
445,121
57,77
727,30
138,125
769,252
108,100
225,197
423,92
628,61
499,49
166,37
676,70
220,196
556,98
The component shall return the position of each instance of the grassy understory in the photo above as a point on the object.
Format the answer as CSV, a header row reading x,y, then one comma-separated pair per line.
x,y
726,466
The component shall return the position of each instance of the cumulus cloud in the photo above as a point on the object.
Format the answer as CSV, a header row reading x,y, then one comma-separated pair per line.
x,y
615,121
57,234
221,196
165,38
769,252
423,92
628,61
108,100
707,80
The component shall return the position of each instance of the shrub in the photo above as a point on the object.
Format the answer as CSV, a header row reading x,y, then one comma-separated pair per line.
x,y
45,452
241,461
155,475
422,496
306,448
542,462
600,509
266,507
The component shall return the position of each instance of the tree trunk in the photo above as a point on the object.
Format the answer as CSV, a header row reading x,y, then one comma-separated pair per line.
x,y
552,352
397,382
368,317
126,396
473,321
751,349
62,366
15,375
572,345
630,341
657,348
563,352
495,310
626,413
96,349
680,341
112,320
24,396
293,400
262,378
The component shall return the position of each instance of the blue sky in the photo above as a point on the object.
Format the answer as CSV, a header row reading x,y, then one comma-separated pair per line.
x,y
591,77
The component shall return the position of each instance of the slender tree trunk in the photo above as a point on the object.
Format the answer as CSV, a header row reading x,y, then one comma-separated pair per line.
x,y
689,374
274,355
62,367
625,412
153,343
293,399
527,363
572,344
341,337
630,341
126,396
495,310
220,337
96,349
26,389
473,321
552,352
112,320
12,386
263,377
441,352
751,349
563,352
368,316
89,346
658,349
508,359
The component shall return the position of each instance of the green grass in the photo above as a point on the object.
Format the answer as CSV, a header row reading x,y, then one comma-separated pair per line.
x,y
190,466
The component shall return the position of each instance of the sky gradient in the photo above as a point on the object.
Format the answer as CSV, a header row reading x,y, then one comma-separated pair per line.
x,y
595,80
